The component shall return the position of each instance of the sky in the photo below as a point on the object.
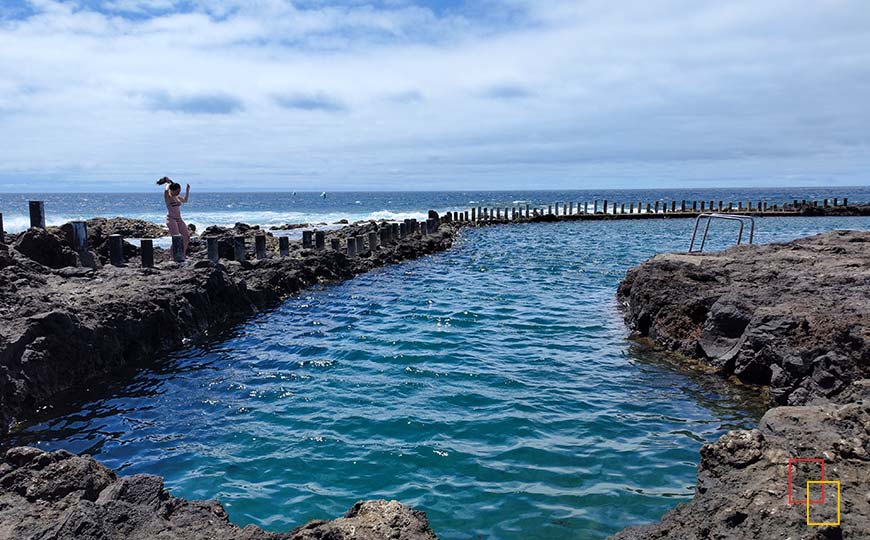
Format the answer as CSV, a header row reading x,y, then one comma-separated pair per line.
x,y
433,95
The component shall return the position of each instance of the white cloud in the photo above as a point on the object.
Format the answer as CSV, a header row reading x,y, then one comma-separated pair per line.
x,y
577,93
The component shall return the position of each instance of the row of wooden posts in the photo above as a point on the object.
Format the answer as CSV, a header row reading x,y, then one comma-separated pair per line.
x,y
37,209
658,207
386,233
391,232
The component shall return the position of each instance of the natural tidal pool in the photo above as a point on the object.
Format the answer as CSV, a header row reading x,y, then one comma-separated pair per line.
x,y
491,386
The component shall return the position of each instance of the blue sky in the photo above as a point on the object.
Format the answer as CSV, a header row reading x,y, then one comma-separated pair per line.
x,y
396,94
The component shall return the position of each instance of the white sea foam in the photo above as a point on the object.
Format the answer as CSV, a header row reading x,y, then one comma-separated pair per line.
x,y
227,218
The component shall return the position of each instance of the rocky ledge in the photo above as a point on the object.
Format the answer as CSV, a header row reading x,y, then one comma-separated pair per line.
x,y
62,496
796,317
743,479
65,319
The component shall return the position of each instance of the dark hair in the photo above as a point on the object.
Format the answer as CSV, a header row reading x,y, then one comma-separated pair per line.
x,y
174,187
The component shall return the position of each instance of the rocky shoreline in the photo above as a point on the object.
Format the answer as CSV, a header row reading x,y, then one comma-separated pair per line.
x,y
68,319
794,317
63,323
62,496
790,316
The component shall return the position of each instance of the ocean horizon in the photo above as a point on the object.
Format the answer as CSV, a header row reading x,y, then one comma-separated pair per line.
x,y
270,208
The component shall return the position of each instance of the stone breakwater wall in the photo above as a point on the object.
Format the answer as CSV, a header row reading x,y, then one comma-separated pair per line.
x,y
62,496
795,317
66,316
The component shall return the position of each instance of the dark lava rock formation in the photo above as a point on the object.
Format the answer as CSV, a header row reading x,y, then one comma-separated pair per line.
x,y
742,490
793,316
63,324
60,496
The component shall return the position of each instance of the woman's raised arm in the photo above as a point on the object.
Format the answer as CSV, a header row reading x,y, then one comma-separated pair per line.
x,y
186,194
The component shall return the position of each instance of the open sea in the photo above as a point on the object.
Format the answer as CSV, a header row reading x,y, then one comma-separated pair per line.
x,y
492,386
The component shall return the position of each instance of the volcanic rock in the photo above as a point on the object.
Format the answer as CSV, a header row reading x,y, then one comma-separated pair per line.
x,y
62,496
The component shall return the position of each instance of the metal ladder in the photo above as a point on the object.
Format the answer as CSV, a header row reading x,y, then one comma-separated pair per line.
x,y
726,217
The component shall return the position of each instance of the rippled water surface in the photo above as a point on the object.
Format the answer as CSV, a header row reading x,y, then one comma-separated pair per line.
x,y
491,386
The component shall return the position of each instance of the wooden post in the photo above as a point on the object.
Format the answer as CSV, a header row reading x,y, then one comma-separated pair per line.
x,y
550,209
473,214
146,248
605,206
657,207
1,217
37,214
739,206
79,235
178,248
212,246
586,207
403,230
319,240
702,206
845,201
720,206
373,241
306,239
396,230
730,206
360,244
283,246
2,234
116,249
335,244
630,207
260,245
694,206
351,246
239,248
466,215
683,206
621,208
648,208
571,207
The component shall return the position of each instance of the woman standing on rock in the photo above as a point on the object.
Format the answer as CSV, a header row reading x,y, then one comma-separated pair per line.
x,y
171,195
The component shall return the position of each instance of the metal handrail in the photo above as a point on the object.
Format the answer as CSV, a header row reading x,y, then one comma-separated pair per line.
x,y
728,217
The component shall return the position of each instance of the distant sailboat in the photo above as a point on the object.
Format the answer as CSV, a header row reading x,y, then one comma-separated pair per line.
x,y
323,195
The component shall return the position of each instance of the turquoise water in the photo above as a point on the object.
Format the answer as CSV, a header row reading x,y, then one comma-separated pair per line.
x,y
491,386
